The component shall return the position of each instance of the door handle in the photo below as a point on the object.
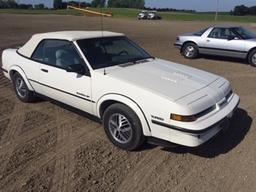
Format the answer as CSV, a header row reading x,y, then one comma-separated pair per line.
x,y
44,70
207,40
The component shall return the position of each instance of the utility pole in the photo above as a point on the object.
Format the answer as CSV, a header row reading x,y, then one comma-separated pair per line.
x,y
217,10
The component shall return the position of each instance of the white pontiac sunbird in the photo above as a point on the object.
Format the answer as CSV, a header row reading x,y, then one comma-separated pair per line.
x,y
136,96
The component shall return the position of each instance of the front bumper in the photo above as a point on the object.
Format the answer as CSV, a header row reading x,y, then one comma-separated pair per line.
x,y
4,70
195,137
177,44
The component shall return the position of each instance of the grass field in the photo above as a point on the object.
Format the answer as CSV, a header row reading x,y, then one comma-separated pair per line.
x,y
46,11
131,14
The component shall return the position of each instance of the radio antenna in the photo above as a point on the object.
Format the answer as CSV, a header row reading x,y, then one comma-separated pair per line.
x,y
217,10
102,28
101,19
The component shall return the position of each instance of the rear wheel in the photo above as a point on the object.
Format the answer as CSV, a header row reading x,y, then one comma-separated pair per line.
x,y
123,127
190,51
252,58
21,89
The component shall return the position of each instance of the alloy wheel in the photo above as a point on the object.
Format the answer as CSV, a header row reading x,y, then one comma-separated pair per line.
x,y
120,128
20,87
254,59
189,51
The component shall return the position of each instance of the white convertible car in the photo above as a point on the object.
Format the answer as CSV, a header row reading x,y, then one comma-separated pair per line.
x,y
136,96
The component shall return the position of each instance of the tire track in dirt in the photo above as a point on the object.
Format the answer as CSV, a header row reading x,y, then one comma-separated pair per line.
x,y
73,130
26,129
3,127
23,154
7,142
159,171
101,166
40,181
6,107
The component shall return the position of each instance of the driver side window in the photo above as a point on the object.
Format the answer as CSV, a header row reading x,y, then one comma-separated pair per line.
x,y
57,53
221,33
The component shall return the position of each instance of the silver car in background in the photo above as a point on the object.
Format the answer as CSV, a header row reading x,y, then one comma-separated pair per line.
x,y
229,41
150,15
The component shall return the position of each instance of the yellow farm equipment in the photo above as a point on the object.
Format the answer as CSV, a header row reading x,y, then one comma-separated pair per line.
x,y
90,12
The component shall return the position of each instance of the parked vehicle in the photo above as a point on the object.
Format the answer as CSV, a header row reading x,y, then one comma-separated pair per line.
x,y
142,15
135,95
229,41
150,15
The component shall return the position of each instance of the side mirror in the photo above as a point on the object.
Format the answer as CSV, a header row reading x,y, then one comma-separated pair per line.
x,y
76,68
231,37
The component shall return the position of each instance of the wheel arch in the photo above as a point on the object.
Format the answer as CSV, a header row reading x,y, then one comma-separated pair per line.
x,y
16,69
248,53
107,100
186,42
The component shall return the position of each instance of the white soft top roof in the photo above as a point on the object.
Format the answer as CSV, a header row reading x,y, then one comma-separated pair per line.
x,y
28,49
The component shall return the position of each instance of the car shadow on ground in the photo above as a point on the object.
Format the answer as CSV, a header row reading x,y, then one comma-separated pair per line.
x,y
224,142
225,59
68,108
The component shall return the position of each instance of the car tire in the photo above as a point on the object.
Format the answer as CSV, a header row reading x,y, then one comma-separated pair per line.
x,y
123,127
252,58
190,51
21,89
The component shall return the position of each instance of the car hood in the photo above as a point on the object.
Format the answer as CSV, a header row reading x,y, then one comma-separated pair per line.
x,y
188,34
165,78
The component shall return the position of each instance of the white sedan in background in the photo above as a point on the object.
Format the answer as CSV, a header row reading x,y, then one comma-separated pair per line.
x,y
136,96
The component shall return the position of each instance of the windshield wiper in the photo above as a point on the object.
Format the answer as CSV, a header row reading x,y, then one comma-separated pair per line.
x,y
127,64
136,61
143,60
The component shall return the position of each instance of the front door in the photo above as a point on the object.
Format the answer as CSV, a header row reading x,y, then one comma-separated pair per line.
x,y
223,42
56,82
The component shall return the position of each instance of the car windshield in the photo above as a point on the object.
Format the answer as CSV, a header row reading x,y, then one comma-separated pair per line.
x,y
110,51
200,33
244,33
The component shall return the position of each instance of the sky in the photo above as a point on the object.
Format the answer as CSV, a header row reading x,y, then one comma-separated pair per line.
x,y
198,5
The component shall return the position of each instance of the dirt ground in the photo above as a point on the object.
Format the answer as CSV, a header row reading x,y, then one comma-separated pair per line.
x,y
44,147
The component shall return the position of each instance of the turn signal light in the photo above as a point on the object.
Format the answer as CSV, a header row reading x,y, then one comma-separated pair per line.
x,y
182,118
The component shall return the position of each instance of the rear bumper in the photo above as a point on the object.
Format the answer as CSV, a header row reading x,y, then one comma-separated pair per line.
x,y
196,137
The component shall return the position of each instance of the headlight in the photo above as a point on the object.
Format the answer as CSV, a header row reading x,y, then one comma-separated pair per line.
x,y
182,118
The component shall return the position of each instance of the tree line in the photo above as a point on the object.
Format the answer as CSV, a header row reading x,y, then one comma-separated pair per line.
x,y
169,10
11,4
242,10
59,4
126,3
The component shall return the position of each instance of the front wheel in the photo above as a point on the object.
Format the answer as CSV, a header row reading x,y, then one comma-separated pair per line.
x,y
190,51
123,127
252,58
